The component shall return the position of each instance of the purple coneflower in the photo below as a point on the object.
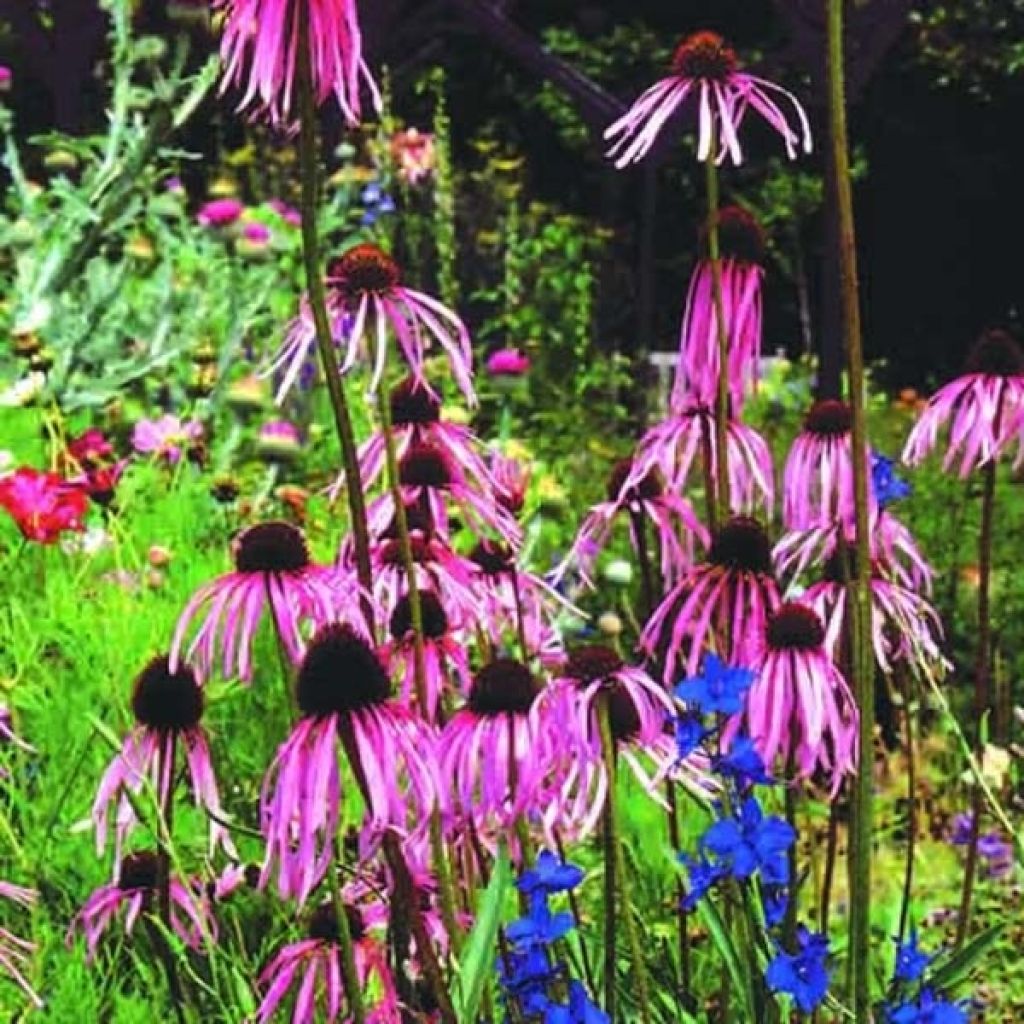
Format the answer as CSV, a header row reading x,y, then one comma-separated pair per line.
x,y
741,244
732,594
429,477
135,892
15,951
316,959
497,753
679,443
511,479
818,479
799,711
675,523
272,569
343,694
259,49
705,68
904,626
168,706
366,300
443,655
983,408
638,710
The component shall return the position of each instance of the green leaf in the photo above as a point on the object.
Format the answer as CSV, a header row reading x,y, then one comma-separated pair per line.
x,y
958,966
477,961
724,944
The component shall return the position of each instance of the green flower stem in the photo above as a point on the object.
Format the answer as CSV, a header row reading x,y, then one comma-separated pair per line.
x,y
348,958
309,164
861,653
981,687
616,888
907,691
722,332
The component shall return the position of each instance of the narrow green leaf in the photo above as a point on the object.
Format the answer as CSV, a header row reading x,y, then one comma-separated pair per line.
x,y
724,944
952,971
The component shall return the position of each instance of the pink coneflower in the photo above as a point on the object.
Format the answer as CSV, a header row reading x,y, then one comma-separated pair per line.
x,y
674,521
343,694
366,302
730,595
508,362
638,709
272,571
166,437
135,893
741,244
430,477
259,49
799,710
316,959
511,481
416,419
42,504
443,656
678,445
497,753
904,626
818,479
168,706
15,951
705,68
414,154
220,213
983,408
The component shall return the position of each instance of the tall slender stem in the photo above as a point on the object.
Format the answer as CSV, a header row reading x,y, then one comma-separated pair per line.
x,y
309,164
722,339
618,891
353,990
861,653
981,687
908,871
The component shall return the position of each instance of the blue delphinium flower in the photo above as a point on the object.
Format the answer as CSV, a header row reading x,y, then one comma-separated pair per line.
x,y
376,203
929,1009
718,689
751,843
690,733
549,874
580,1010
804,974
539,927
743,764
703,876
775,901
888,487
911,962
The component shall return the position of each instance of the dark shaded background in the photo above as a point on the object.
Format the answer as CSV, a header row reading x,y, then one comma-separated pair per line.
x,y
939,212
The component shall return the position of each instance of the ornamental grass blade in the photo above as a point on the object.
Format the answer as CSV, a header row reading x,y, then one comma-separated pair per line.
x,y
951,971
476,964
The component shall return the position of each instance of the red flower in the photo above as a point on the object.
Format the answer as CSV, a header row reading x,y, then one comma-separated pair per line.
x,y
42,504
90,449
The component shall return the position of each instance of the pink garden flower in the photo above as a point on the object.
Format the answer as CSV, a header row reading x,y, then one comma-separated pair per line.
x,y
260,52
498,752
741,244
644,500
511,481
343,695
799,709
706,70
445,660
166,437
272,570
414,154
135,893
316,960
42,504
817,483
508,362
983,409
678,446
730,595
366,303
168,706
15,951
220,213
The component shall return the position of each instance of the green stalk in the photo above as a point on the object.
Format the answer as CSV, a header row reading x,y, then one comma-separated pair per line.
x,y
722,331
349,973
861,653
309,164
617,890
981,686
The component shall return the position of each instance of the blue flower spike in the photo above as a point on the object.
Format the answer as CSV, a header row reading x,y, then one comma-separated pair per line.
x,y
550,875
911,962
719,689
804,975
